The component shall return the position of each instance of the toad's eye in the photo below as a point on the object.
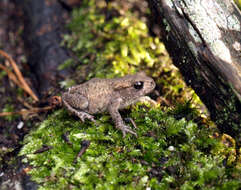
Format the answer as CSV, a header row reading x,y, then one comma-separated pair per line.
x,y
138,85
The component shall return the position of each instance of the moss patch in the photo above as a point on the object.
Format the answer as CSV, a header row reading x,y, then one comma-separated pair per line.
x,y
168,153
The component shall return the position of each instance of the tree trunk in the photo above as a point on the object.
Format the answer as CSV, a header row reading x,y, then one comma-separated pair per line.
x,y
43,30
204,40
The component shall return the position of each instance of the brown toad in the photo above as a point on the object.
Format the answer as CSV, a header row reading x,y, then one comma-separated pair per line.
x,y
99,95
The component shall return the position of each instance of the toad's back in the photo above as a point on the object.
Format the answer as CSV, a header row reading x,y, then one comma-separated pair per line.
x,y
98,92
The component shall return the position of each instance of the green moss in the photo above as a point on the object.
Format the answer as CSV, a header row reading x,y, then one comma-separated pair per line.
x,y
119,44
168,153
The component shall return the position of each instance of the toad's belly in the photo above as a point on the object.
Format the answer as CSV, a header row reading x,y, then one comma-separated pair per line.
x,y
98,105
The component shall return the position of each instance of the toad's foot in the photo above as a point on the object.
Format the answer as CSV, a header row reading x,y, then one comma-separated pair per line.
x,y
83,116
147,99
125,129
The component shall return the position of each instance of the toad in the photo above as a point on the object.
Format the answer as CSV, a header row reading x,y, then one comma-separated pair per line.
x,y
100,95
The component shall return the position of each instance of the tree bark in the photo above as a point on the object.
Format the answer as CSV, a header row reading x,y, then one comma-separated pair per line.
x,y
204,39
42,35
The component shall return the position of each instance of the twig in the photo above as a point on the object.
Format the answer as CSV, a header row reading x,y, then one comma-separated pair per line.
x,y
26,104
53,101
84,145
22,83
24,112
11,75
18,79
44,148
65,137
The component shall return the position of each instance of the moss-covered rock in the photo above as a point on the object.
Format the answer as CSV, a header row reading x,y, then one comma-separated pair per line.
x,y
168,153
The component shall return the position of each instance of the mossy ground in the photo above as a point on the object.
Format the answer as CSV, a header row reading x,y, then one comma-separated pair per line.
x,y
168,153
175,149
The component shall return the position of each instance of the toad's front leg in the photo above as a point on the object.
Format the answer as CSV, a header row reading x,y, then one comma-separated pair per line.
x,y
119,123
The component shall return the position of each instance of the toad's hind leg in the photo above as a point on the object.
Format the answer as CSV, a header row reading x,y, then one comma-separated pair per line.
x,y
76,102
